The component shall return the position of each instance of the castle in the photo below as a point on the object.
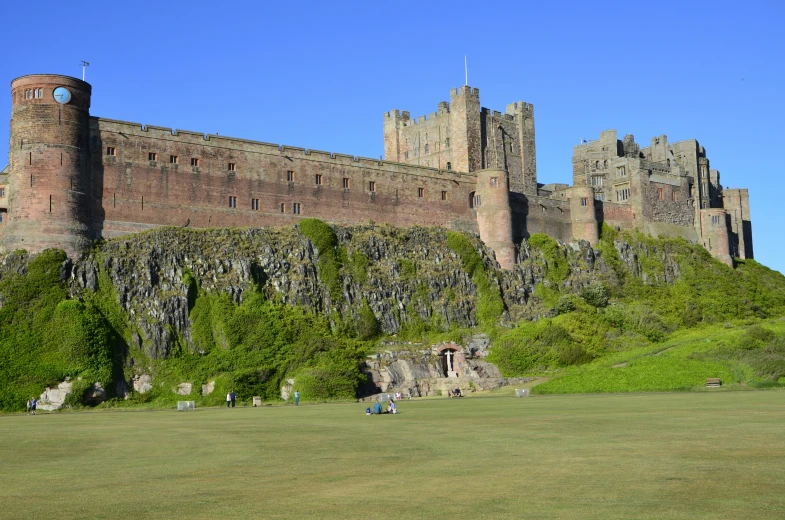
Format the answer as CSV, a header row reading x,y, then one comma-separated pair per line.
x,y
73,178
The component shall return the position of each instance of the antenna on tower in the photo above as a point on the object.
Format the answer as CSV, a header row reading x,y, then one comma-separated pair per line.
x,y
466,69
84,65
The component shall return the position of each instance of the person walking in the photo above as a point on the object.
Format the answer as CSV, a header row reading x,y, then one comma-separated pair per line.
x,y
27,407
234,398
33,404
296,398
229,400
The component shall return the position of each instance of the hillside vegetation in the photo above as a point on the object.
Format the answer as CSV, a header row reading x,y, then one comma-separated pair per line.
x,y
250,309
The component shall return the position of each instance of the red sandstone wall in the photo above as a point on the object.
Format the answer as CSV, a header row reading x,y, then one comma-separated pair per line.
x,y
133,193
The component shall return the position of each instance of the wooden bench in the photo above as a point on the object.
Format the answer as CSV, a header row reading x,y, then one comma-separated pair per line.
x,y
713,382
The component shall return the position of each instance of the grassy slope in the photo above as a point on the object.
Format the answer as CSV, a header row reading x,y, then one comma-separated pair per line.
x,y
678,456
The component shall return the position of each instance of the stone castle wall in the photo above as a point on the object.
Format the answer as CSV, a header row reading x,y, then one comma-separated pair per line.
x,y
135,193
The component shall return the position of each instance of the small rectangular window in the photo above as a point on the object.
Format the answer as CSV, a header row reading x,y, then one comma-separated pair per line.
x,y
543,209
110,150
283,208
2,192
232,202
296,208
715,219
372,186
444,195
584,201
290,176
346,183
660,194
621,172
173,159
231,167
674,197
447,143
420,192
318,179
255,204
194,161
494,182
406,154
152,156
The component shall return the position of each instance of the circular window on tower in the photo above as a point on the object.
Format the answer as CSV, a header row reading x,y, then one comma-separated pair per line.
x,y
62,95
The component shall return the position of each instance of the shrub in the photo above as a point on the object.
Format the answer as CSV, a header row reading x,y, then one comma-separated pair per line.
x,y
324,240
366,325
566,304
557,267
596,294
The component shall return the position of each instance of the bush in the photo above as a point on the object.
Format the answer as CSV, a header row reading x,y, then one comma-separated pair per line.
x,y
596,294
557,268
566,304
324,240
366,325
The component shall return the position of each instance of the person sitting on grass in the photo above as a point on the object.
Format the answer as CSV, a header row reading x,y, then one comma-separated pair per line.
x,y
391,407
377,408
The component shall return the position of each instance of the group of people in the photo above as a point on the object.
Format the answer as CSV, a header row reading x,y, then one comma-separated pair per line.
x,y
455,393
377,408
32,404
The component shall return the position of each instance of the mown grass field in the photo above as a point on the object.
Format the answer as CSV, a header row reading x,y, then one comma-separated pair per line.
x,y
676,455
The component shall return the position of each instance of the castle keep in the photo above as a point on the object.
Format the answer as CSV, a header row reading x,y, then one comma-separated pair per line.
x,y
73,178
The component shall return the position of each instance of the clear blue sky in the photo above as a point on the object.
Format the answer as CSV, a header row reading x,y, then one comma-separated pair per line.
x,y
320,75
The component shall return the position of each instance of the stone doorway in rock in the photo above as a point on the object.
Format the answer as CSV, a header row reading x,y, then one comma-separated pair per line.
x,y
451,360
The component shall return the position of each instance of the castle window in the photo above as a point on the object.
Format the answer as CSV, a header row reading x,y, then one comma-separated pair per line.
x,y
596,180
232,167
584,201
494,182
622,194
621,172
28,94
173,159
38,93
345,183
2,192
110,150
674,198
232,202
152,156
477,201
660,194
668,162
296,208
426,148
406,154
255,204
715,219
290,176
194,162
283,208
449,165
605,163
420,192
318,179
543,209
599,196
444,195
597,165
447,145
372,186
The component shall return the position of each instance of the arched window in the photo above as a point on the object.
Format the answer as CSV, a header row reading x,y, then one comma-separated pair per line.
x,y
472,197
597,164
449,166
605,164
669,162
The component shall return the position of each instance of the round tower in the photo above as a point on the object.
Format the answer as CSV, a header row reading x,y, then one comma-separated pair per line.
x,y
714,229
494,215
582,215
49,159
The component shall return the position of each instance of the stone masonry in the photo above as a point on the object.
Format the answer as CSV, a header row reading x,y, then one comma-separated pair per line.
x,y
73,178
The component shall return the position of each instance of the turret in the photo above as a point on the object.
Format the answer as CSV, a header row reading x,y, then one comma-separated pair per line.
x,y
465,129
715,234
49,163
584,219
494,215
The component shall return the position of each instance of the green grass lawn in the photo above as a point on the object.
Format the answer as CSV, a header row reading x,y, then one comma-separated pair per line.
x,y
677,455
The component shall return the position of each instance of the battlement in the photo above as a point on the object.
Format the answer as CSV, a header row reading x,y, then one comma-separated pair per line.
x,y
465,90
519,106
496,113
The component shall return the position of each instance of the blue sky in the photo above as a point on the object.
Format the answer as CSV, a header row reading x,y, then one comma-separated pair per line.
x,y
320,75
